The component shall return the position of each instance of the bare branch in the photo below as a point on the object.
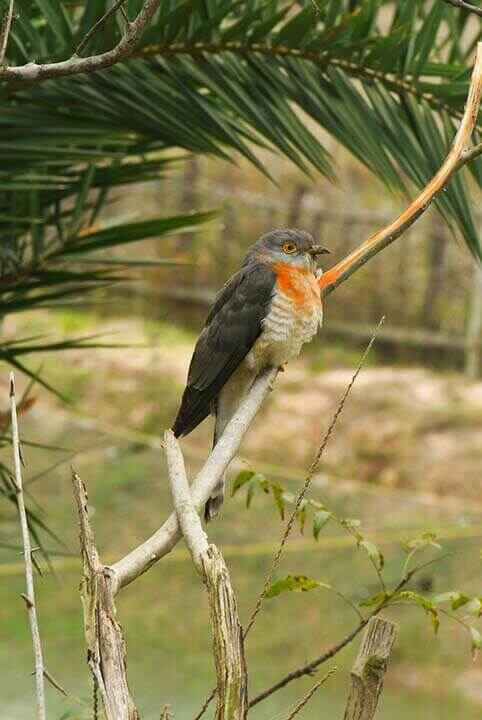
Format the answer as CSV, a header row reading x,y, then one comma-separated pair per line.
x,y
29,597
470,154
228,646
5,31
462,5
187,516
124,49
111,11
460,153
163,540
106,652
306,698
369,670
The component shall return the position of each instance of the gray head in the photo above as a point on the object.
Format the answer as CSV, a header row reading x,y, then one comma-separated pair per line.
x,y
287,245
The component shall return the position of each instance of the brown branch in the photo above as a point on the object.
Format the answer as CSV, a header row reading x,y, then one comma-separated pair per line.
x,y
460,153
106,652
369,670
462,5
5,31
228,644
111,11
29,597
124,49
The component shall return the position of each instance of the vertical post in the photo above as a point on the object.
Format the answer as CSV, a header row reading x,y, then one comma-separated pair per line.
x,y
369,670
106,653
29,597
228,645
473,335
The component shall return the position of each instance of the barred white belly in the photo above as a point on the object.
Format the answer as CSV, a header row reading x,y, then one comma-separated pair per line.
x,y
285,330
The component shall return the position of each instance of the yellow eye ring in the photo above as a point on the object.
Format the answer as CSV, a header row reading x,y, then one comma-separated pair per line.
x,y
289,248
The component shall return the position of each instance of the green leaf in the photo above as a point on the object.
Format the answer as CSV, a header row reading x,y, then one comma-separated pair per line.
x,y
414,598
455,598
320,519
376,599
373,552
476,641
294,583
241,479
426,539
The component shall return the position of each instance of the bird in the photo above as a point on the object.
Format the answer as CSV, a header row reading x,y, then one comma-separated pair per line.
x,y
260,318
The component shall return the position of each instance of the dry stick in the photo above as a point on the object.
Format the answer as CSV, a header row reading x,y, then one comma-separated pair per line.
x,y
106,652
227,633
97,25
29,597
369,670
462,5
299,706
312,469
5,31
460,153
124,49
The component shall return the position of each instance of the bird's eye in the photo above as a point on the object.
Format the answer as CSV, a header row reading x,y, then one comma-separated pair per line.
x,y
289,248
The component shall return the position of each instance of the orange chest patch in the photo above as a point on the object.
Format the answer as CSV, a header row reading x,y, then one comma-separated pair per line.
x,y
299,285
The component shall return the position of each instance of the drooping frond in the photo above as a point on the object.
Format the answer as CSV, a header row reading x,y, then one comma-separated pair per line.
x,y
387,80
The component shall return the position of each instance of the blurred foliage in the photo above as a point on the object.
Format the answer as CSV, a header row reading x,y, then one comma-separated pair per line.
x,y
384,597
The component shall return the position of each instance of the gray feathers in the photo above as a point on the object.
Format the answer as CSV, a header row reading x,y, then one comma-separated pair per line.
x,y
232,327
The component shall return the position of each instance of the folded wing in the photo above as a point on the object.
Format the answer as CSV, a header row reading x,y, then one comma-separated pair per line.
x,y
232,327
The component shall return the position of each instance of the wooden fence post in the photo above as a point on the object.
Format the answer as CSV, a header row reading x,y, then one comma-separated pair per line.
x,y
474,327
369,669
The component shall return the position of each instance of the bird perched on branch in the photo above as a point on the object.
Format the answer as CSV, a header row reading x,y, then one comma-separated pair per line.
x,y
260,318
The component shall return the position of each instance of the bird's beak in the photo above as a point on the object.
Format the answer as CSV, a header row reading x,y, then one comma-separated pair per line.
x,y
316,250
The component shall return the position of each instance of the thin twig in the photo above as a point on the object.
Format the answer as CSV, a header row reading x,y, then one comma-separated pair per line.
x,y
5,31
462,5
299,706
96,26
312,469
29,597
123,50
470,154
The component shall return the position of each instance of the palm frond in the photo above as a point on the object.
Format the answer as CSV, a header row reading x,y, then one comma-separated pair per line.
x,y
216,77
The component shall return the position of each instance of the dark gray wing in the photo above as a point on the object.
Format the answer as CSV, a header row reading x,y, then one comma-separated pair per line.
x,y
232,327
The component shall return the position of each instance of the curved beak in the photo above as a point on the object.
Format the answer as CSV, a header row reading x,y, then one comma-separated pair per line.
x,y
316,250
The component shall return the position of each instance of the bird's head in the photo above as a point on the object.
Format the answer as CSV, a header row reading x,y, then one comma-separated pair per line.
x,y
290,246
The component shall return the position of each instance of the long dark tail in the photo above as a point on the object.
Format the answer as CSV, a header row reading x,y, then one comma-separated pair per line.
x,y
212,506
